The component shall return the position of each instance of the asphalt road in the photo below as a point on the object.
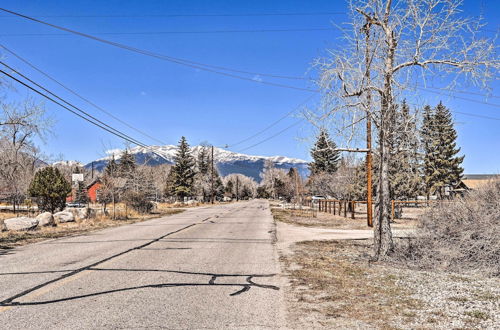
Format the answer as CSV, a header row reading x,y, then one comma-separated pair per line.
x,y
213,267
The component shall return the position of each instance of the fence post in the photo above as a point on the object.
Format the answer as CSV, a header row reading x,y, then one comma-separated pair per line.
x,y
392,210
353,205
345,209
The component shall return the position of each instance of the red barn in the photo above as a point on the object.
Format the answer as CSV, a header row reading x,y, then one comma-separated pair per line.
x,y
92,190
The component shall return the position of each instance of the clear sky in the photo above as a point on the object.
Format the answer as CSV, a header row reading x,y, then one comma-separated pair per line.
x,y
167,100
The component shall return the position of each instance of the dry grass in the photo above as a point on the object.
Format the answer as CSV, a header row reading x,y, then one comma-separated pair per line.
x,y
11,239
461,236
334,286
326,220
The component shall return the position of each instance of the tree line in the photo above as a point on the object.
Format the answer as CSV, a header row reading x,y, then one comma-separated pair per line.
x,y
424,159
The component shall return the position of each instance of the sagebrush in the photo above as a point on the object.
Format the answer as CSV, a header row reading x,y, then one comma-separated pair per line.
x,y
461,235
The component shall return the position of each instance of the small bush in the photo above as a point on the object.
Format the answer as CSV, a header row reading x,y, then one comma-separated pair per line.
x,y
138,202
462,235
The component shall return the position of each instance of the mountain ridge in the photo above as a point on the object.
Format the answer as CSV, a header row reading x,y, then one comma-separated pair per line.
x,y
227,162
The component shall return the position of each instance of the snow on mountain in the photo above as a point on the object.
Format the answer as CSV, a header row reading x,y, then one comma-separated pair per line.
x,y
70,163
228,162
220,155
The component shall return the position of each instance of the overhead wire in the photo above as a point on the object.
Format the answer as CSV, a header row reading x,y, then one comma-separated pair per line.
x,y
173,32
79,112
193,15
272,124
80,96
112,131
180,61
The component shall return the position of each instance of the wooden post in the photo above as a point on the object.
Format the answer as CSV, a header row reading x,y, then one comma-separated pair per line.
x,y
392,210
353,205
345,209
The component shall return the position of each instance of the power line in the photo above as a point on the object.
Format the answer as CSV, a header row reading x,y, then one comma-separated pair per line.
x,y
173,32
112,131
180,61
460,97
272,136
81,97
272,124
191,15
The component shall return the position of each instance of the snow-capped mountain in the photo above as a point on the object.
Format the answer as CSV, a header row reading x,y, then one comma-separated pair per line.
x,y
227,162
70,163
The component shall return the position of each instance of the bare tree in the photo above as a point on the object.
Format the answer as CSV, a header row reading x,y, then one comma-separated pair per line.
x,y
390,45
20,123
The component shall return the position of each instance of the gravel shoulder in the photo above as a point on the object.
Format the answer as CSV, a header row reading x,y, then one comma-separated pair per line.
x,y
332,284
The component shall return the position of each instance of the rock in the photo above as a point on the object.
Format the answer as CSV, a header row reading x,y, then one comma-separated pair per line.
x,y
45,219
82,213
21,223
79,213
2,226
64,216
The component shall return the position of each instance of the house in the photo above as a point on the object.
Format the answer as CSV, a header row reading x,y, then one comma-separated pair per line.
x,y
92,190
473,182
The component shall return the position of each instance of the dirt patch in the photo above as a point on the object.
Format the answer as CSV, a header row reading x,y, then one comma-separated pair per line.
x,y
12,239
332,285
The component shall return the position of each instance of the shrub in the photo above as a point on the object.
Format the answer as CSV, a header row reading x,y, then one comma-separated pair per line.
x,y
462,235
50,188
138,202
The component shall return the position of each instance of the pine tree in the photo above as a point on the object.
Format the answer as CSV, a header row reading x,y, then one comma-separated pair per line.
x,y
111,169
404,175
443,167
50,188
183,171
127,164
427,136
325,157
203,160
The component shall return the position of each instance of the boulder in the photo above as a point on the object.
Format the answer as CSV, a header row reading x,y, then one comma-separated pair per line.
x,y
45,219
64,216
82,213
21,223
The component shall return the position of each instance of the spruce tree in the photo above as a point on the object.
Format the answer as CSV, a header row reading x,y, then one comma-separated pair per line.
x,y
427,137
404,165
50,188
111,168
325,157
443,168
183,171
127,164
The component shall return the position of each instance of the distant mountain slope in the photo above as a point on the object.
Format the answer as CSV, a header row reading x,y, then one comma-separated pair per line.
x,y
227,162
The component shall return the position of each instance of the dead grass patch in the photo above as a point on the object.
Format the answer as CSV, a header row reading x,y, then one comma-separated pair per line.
x,y
332,285
10,239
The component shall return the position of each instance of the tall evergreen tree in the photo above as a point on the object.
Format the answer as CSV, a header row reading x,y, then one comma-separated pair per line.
x,y
443,165
50,188
111,168
404,165
183,171
127,164
325,157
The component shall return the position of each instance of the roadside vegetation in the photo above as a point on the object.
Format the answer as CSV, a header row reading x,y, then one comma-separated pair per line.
x,y
10,239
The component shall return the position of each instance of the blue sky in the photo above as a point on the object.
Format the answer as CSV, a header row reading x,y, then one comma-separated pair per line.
x,y
167,100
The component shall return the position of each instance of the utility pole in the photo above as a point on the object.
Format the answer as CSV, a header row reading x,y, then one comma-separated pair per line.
x,y
92,170
369,189
237,189
212,175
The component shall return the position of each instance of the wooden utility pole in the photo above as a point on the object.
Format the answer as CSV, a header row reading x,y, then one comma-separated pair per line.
x,y
212,177
369,188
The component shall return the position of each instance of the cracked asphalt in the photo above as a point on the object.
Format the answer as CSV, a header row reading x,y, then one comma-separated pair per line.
x,y
211,267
